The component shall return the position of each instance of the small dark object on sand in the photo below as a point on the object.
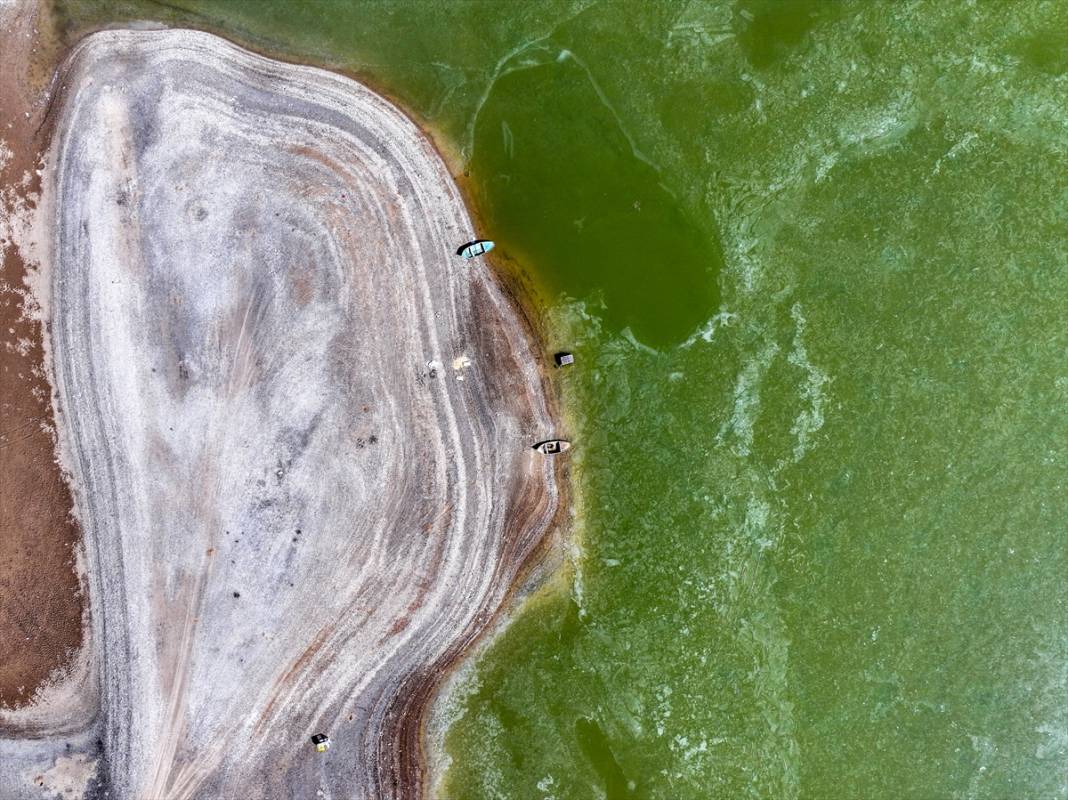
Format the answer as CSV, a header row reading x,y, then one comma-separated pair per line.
x,y
552,446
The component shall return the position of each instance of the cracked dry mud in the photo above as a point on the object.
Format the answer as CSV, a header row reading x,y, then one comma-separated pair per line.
x,y
298,427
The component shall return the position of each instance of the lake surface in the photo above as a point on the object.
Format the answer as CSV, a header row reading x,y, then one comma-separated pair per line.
x,y
812,258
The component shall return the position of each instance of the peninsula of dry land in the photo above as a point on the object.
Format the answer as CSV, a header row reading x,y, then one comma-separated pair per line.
x,y
298,427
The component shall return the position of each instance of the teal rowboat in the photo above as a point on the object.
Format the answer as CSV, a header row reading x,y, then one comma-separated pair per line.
x,y
475,248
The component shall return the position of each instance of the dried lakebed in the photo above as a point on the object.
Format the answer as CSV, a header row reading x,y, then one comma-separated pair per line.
x,y
298,427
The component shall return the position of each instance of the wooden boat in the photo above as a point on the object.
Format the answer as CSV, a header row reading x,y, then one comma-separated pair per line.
x,y
551,447
475,249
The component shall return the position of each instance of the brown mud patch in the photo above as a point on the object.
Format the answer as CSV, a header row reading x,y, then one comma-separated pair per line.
x,y
40,596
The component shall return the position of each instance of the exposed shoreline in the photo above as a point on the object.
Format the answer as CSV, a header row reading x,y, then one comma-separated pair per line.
x,y
395,767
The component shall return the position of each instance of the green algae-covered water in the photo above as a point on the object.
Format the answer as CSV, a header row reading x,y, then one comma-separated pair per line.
x,y
813,260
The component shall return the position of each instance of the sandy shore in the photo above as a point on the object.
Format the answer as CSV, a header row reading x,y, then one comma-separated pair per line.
x,y
298,426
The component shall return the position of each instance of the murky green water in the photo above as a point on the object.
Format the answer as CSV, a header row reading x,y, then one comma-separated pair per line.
x,y
813,259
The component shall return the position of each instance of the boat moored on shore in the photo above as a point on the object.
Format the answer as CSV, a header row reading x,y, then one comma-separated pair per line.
x,y
552,447
474,249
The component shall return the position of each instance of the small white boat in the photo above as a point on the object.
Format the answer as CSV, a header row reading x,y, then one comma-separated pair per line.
x,y
551,447
475,249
